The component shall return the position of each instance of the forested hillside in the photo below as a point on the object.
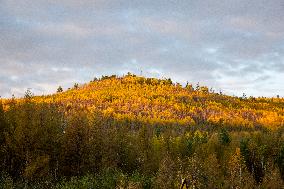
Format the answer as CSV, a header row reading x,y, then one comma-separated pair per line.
x,y
136,132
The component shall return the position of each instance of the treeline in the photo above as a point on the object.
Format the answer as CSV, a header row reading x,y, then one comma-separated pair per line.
x,y
43,147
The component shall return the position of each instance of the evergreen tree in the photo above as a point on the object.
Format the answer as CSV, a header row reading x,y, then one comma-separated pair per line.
x,y
59,89
76,86
224,137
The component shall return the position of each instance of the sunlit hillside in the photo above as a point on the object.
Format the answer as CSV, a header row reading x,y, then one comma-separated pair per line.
x,y
161,101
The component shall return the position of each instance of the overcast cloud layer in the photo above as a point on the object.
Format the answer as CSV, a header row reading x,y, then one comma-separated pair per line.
x,y
233,45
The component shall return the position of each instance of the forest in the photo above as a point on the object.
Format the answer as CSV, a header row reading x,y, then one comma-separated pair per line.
x,y
136,132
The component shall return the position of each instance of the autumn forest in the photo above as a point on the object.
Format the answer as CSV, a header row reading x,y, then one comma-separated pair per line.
x,y
137,132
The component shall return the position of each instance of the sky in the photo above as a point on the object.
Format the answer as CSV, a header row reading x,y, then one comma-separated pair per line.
x,y
236,46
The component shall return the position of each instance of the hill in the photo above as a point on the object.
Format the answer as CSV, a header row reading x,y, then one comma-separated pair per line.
x,y
161,101
141,132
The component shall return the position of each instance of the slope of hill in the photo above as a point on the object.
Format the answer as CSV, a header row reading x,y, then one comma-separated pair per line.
x,y
161,101
142,133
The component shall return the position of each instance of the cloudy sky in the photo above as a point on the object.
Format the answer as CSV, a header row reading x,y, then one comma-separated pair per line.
x,y
233,45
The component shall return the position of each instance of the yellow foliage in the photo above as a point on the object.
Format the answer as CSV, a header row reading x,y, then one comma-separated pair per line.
x,y
155,100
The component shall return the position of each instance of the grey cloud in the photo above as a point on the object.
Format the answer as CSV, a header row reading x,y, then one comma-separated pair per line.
x,y
217,43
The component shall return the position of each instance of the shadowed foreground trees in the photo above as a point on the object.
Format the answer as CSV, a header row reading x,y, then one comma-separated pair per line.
x,y
42,145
